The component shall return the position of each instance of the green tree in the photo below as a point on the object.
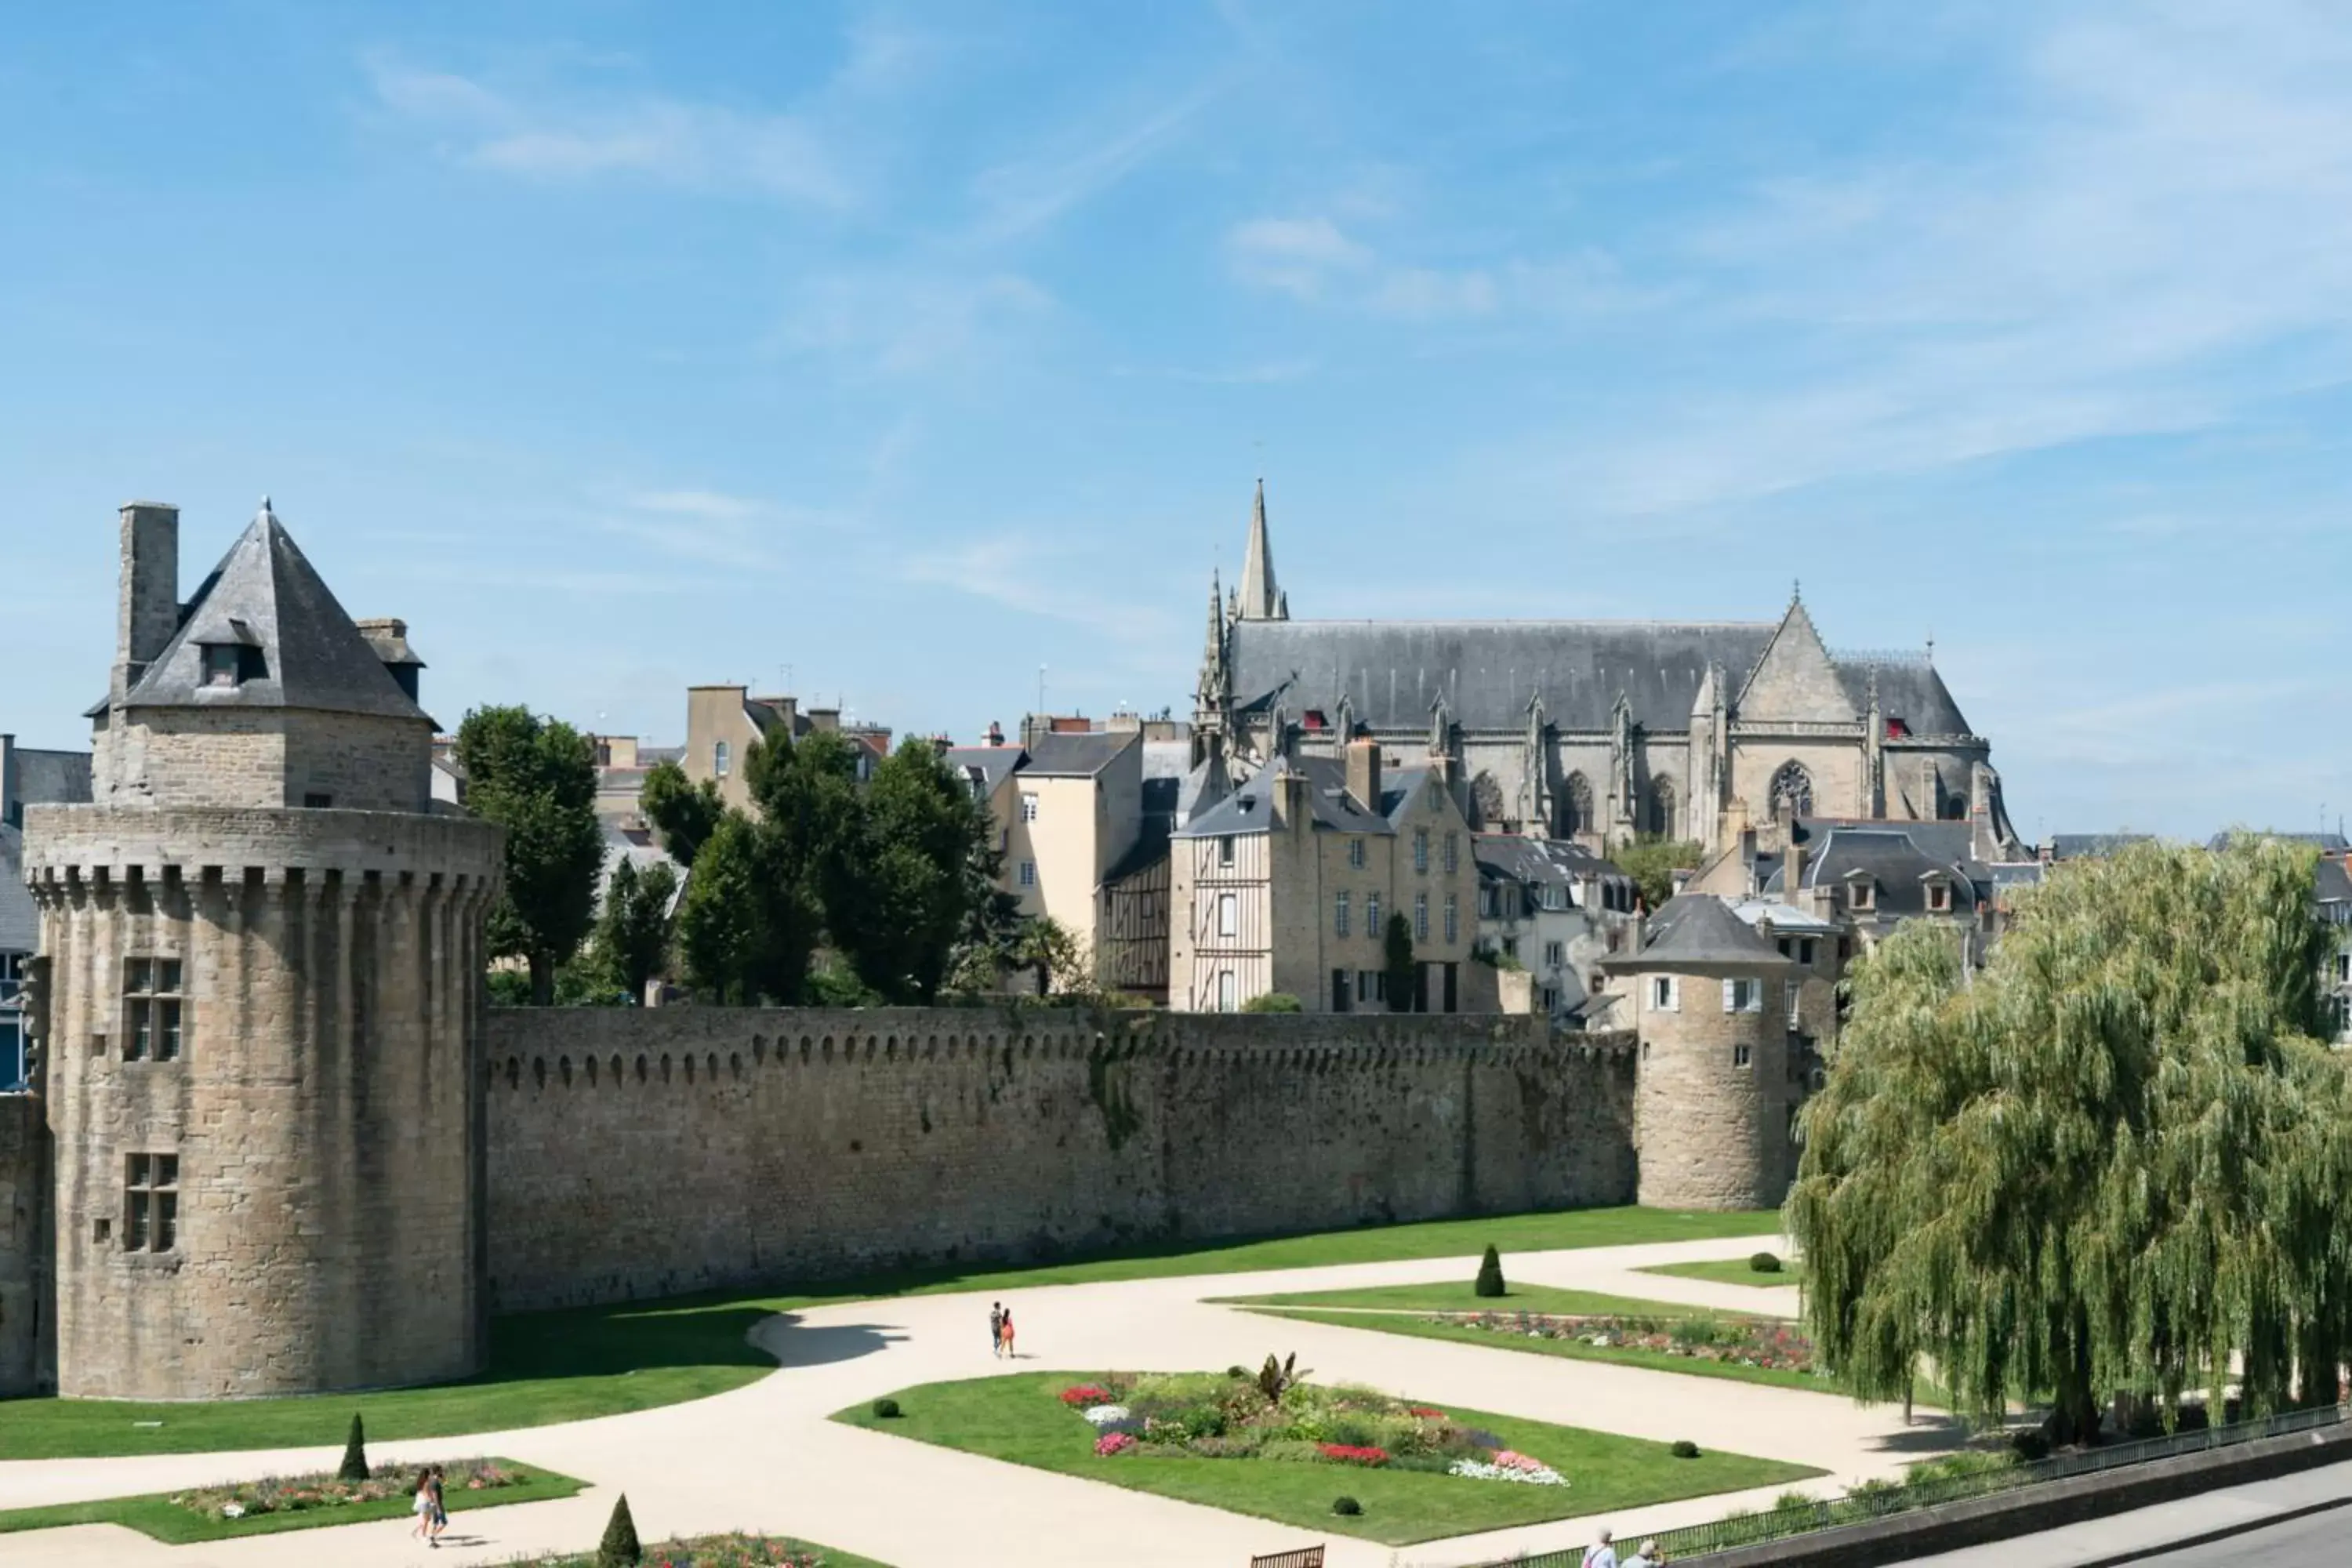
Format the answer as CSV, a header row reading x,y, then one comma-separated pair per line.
x,y
2105,1164
904,866
745,929
1274,1002
683,813
1651,861
1403,970
536,778
354,1466
619,1549
1050,948
633,931
1490,1275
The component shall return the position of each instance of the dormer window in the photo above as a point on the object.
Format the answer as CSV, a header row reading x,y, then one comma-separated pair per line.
x,y
1860,894
222,666
1939,898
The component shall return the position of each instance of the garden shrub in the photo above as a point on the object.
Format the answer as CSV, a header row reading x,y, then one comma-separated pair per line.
x,y
1274,1002
1697,1330
354,1466
1238,1371
1292,1452
1791,1502
1684,1448
1346,1507
1765,1263
886,1409
619,1547
1490,1274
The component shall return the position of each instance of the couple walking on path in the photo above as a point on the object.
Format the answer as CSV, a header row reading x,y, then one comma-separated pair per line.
x,y
432,1519
1604,1554
1000,1331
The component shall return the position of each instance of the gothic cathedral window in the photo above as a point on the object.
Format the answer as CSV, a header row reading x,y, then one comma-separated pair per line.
x,y
1793,787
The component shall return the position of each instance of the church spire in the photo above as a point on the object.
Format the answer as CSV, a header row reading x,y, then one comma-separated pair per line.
x,y
1261,600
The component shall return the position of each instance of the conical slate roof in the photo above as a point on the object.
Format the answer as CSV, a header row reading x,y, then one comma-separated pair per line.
x,y
1700,928
265,594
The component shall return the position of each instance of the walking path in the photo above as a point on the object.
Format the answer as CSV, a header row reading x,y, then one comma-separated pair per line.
x,y
764,1456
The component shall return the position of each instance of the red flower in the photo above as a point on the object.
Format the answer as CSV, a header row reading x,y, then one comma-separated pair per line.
x,y
1425,1413
1087,1394
1114,1443
1347,1454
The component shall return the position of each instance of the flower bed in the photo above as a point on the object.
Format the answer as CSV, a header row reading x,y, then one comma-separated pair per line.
x,y
1737,1341
1220,1417
297,1494
724,1552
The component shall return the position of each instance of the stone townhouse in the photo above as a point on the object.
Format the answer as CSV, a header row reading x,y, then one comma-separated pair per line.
x,y
28,776
1287,885
1556,910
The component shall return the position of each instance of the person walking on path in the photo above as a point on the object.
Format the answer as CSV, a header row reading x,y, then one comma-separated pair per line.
x,y
1648,1557
440,1516
422,1505
1600,1554
1005,1333
996,1329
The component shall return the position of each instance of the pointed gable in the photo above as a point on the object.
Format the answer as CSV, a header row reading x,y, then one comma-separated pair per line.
x,y
1795,678
299,649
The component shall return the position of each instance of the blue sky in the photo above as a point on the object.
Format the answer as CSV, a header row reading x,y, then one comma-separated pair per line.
x,y
620,346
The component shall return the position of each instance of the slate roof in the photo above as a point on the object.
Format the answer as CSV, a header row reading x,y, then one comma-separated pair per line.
x,y
2087,845
1078,757
1908,688
990,763
1700,928
1392,671
1537,861
2333,883
1249,809
20,921
2325,843
1787,918
1895,863
265,593
48,778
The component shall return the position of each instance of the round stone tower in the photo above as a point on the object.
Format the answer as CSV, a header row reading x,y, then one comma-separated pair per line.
x,y
1710,1007
262,1002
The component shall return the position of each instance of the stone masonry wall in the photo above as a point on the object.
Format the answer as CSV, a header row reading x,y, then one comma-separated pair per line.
x,y
1712,1128
25,1311
643,1152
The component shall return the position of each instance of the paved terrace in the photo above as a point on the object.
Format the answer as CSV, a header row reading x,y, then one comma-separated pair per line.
x,y
764,1456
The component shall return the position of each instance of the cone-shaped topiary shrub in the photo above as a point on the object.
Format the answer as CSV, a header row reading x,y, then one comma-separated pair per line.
x,y
1490,1274
1765,1263
1346,1507
886,1409
354,1466
619,1549
1685,1449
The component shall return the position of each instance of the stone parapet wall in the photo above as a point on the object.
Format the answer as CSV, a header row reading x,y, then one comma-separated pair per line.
x,y
643,1152
66,842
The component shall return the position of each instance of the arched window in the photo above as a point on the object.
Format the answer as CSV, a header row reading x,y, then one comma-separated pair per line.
x,y
1793,787
1661,808
1576,807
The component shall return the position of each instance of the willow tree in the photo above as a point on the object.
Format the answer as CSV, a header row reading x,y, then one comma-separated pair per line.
x,y
2105,1164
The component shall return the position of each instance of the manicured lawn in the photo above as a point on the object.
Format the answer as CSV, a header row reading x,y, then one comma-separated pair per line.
x,y
156,1515
1021,1419
1733,1271
1456,1295
547,1367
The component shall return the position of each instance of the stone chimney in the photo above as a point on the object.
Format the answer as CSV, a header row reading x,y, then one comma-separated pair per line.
x,y
149,608
995,733
825,718
1292,799
1364,771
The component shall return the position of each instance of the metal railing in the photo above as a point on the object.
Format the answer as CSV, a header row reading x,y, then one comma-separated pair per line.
x,y
1880,1501
1304,1557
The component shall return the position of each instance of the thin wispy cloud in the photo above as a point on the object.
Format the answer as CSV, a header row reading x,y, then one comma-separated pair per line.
x,y
1024,572
901,323
1017,199
658,140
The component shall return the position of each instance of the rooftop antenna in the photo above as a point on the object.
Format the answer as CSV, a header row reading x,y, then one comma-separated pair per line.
x,y
1041,690
1931,645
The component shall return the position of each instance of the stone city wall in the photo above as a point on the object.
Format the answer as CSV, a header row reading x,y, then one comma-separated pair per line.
x,y
643,1152
25,1327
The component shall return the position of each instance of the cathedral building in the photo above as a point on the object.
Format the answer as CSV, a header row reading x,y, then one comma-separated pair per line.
x,y
1600,731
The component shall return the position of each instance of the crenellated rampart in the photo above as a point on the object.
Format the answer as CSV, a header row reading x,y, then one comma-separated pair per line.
x,y
640,1152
